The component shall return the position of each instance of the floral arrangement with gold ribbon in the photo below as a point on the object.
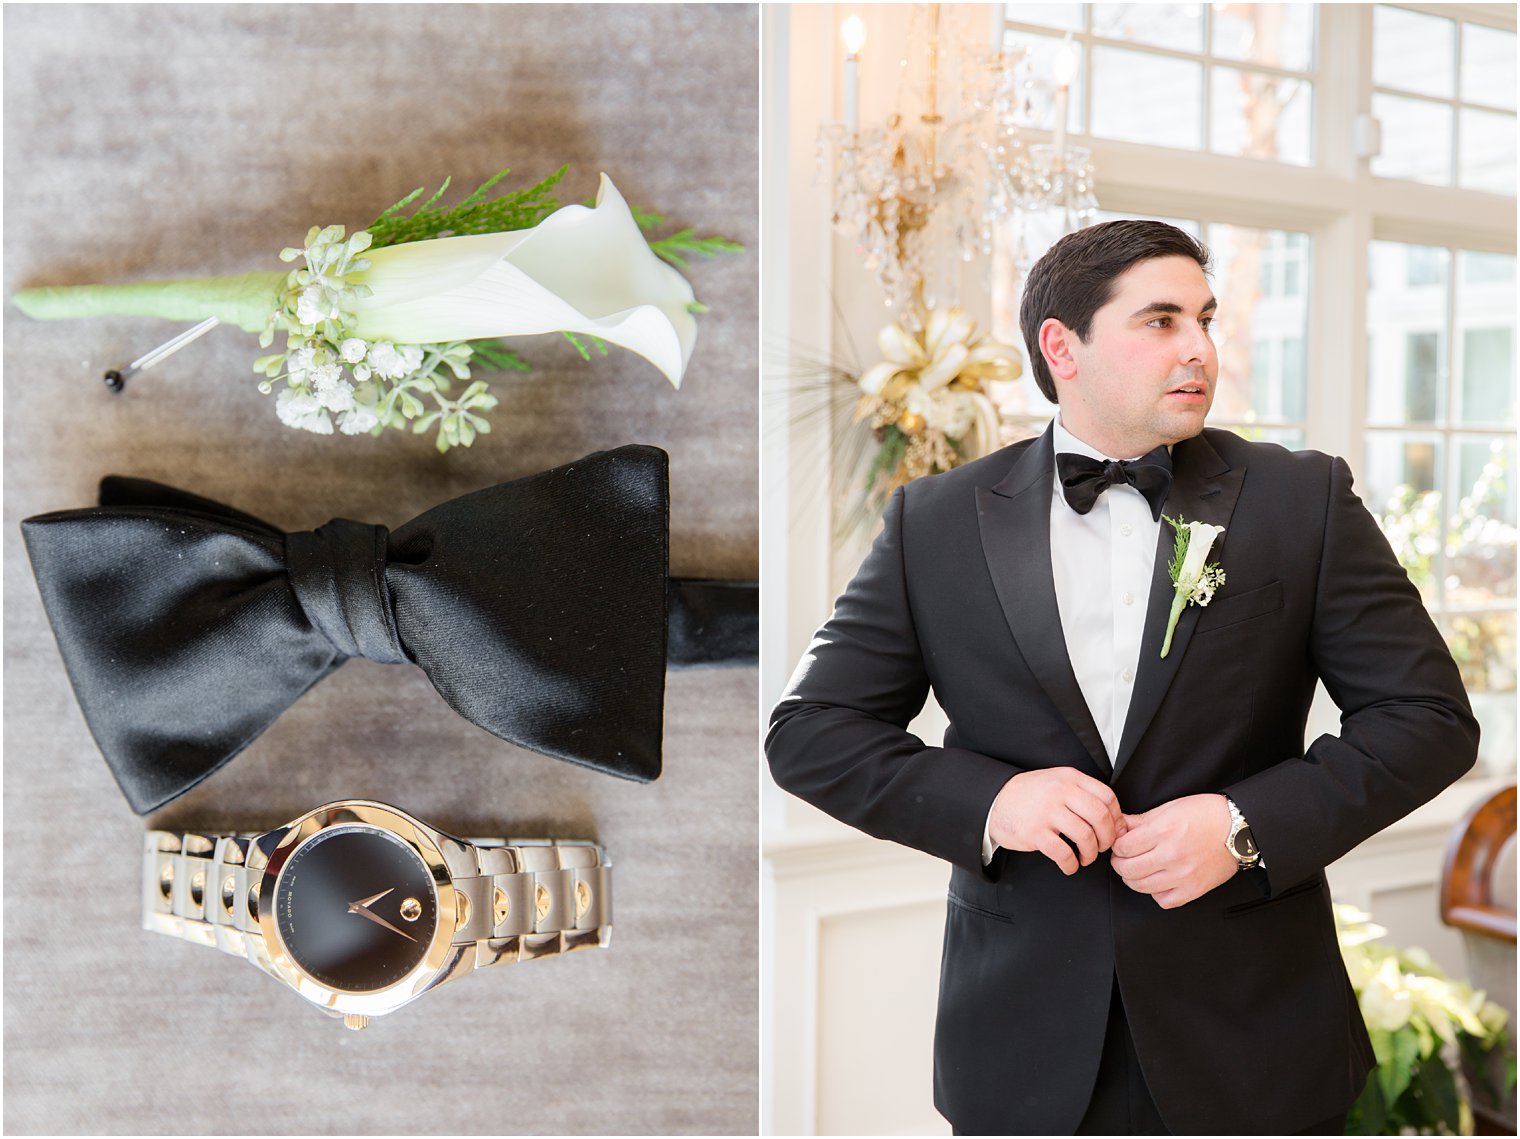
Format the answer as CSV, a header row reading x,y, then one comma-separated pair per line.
x,y
924,401
379,324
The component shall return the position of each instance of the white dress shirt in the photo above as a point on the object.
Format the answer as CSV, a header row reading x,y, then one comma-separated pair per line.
x,y
1102,563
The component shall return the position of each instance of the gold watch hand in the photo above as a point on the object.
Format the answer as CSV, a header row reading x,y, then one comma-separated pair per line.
x,y
366,903
362,908
378,920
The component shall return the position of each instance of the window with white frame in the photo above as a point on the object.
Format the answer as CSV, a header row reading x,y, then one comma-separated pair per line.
x,y
1444,96
1231,79
1431,430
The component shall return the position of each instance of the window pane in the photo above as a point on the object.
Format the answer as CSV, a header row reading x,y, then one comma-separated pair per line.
x,y
1488,66
1413,52
1416,140
1483,268
1406,316
1488,151
1147,98
1486,324
1480,535
1398,484
1068,17
1281,35
1263,322
1256,115
1177,26
1040,97
1484,647
1488,368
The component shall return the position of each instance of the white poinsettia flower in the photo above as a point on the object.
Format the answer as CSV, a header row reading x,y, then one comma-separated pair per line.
x,y
1385,1002
580,270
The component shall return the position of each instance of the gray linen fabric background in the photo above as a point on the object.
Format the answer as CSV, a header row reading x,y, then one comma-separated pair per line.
x,y
146,141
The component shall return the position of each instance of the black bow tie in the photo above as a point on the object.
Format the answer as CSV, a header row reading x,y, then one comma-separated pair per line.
x,y
537,608
1084,478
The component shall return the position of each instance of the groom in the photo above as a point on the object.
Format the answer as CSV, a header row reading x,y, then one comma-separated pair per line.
x,y
1139,937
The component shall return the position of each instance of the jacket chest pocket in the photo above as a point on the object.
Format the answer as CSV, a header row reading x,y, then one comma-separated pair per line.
x,y
1232,610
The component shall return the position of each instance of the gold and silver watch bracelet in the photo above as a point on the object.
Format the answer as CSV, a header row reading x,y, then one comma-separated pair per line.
x,y
528,898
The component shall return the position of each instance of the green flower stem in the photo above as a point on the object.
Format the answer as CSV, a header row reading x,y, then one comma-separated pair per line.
x,y
1179,603
245,300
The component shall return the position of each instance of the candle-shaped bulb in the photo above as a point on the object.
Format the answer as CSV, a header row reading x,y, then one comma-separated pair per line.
x,y
1065,66
853,32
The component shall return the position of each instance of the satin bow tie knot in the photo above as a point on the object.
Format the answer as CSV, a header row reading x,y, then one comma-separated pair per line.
x,y
337,573
1084,478
537,608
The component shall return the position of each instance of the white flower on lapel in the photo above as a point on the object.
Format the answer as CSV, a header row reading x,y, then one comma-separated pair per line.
x,y
1194,578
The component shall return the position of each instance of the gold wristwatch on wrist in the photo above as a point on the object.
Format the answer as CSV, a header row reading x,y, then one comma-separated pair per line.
x,y
361,908
1241,842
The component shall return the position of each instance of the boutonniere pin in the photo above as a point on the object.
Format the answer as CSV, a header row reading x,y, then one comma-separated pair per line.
x,y
379,324
1194,578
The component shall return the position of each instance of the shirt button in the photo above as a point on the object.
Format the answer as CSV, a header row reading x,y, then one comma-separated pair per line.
x,y
1126,529
1127,598
1127,675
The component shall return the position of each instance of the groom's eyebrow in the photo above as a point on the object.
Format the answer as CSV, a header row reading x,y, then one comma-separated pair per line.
x,y
1171,308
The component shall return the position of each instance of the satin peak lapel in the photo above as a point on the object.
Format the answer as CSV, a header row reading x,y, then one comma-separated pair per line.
x,y
1204,489
1014,517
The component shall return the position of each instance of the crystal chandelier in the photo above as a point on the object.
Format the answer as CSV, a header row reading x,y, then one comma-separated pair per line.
x,y
924,191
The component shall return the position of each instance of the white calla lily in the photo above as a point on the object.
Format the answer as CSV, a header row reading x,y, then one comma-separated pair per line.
x,y
1201,537
580,270
1194,580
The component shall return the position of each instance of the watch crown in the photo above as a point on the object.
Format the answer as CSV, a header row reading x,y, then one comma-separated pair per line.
x,y
355,1021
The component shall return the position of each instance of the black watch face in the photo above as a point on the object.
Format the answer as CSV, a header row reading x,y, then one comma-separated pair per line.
x,y
356,908
1245,844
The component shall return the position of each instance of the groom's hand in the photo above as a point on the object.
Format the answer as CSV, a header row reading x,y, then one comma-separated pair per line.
x,y
1041,810
1176,852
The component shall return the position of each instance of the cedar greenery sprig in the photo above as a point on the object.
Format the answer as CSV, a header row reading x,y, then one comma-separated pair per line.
x,y
476,214
1181,533
686,241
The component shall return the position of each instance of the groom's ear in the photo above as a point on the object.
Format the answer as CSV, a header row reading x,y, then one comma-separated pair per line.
x,y
1058,346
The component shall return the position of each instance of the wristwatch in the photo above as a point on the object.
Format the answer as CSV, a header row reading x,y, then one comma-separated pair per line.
x,y
361,908
1242,843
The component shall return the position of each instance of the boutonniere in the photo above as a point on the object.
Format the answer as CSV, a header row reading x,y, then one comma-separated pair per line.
x,y
378,325
1194,578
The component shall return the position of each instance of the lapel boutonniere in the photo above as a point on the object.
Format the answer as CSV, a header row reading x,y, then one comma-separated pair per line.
x,y
1194,579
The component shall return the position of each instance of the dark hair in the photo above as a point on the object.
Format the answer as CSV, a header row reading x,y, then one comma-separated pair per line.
x,y
1075,278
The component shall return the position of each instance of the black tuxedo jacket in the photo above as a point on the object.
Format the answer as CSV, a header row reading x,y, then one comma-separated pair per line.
x,y
1238,1002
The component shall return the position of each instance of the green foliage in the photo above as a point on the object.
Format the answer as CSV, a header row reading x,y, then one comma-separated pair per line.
x,y
647,219
1179,548
894,446
476,214
687,242
497,355
1426,1100
599,344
